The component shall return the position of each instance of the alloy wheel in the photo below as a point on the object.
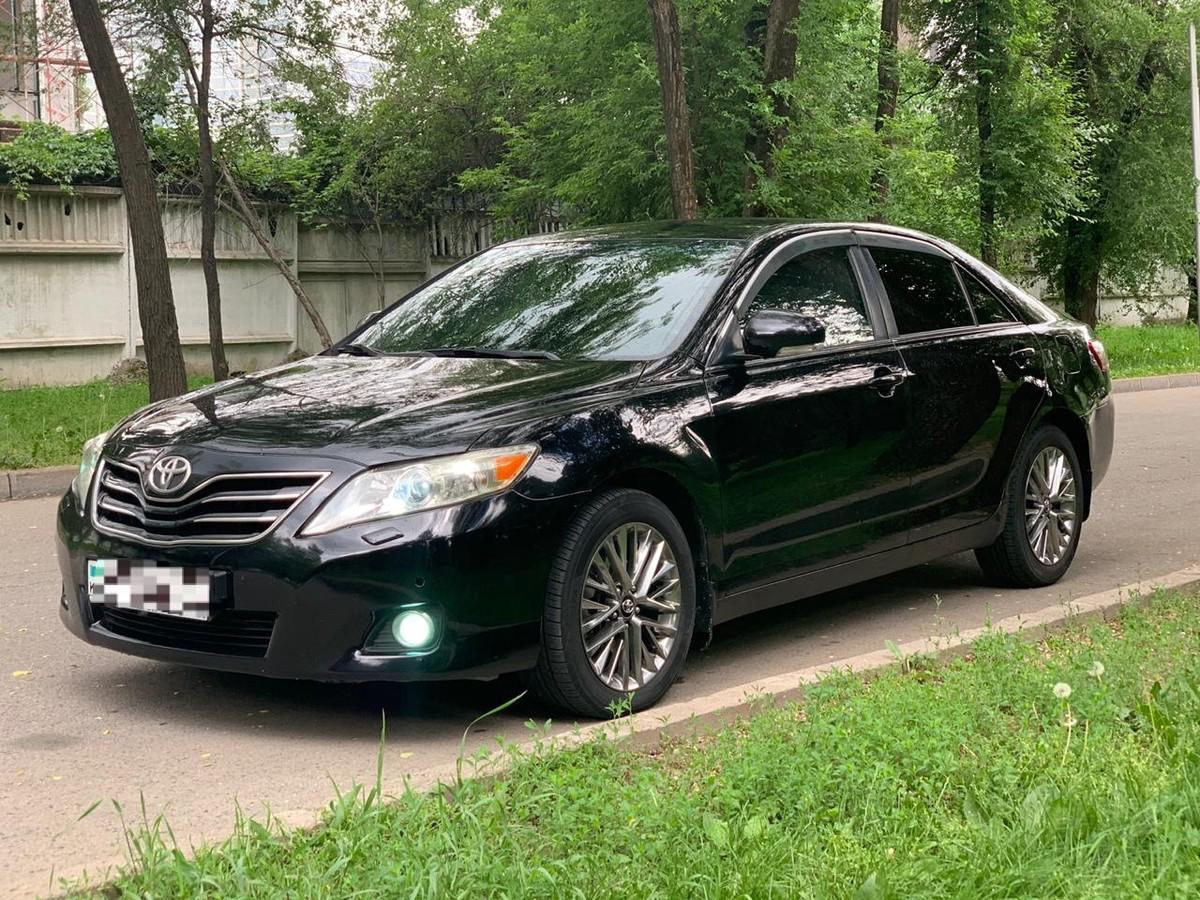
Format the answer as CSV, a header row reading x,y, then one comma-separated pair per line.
x,y
629,614
1050,509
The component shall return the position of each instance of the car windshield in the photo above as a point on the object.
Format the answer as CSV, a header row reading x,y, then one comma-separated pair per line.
x,y
570,299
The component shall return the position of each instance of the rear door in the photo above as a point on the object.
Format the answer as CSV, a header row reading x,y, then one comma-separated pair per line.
x,y
806,442
969,398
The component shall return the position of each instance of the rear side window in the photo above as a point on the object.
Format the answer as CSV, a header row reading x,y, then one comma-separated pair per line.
x,y
820,284
987,306
923,290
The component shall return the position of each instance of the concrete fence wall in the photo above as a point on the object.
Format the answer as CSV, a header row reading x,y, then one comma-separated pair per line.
x,y
68,292
68,300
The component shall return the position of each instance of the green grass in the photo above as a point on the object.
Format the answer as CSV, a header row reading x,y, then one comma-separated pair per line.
x,y
47,426
1138,350
968,780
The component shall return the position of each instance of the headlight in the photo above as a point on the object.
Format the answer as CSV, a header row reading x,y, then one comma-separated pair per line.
x,y
87,467
397,490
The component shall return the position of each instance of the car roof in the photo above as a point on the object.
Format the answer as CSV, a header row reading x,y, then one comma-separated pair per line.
x,y
743,231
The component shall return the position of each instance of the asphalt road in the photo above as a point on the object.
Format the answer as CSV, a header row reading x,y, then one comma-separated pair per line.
x,y
87,724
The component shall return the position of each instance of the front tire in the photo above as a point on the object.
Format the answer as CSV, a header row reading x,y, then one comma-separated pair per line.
x,y
1044,517
620,607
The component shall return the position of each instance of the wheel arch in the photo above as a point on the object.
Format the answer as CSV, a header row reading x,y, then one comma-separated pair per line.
x,y
1071,425
670,491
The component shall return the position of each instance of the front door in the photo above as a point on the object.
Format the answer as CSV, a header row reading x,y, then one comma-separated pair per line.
x,y
807,443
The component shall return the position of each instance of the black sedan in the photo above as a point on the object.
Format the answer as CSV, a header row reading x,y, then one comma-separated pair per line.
x,y
572,455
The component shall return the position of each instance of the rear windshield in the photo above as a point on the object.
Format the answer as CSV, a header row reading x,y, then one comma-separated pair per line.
x,y
576,299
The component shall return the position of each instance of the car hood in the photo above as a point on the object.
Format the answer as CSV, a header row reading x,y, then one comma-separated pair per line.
x,y
371,409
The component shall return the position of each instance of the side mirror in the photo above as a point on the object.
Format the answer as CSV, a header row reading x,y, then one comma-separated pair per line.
x,y
771,330
368,319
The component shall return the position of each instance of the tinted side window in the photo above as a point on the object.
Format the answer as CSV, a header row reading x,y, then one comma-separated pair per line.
x,y
923,290
987,306
821,284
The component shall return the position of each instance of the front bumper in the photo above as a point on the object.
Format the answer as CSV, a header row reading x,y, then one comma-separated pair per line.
x,y
306,606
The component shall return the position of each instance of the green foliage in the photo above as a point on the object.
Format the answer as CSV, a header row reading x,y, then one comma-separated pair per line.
x,y
580,121
1127,63
554,105
824,166
972,779
1002,99
46,154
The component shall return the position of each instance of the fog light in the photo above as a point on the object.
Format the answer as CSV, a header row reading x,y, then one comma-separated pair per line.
x,y
414,629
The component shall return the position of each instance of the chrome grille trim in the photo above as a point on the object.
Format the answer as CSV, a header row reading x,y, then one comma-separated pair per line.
x,y
119,500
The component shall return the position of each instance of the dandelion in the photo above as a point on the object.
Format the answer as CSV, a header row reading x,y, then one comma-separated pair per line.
x,y
1097,669
1062,690
101,396
58,430
1069,720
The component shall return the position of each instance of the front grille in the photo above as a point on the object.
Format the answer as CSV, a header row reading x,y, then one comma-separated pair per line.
x,y
230,632
225,509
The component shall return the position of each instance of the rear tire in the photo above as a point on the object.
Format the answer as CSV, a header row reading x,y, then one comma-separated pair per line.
x,y
1044,514
600,604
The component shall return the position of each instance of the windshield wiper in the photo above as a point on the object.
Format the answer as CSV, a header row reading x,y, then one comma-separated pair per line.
x,y
488,353
358,350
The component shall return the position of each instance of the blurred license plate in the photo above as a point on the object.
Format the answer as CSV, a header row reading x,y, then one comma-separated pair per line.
x,y
146,586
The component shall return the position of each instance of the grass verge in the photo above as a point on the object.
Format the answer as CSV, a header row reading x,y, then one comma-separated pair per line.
x,y
1140,350
47,426
1066,768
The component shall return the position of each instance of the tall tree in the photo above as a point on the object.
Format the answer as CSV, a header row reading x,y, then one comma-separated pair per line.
x,y
779,68
1008,99
887,93
1128,69
200,90
272,38
156,305
668,51
987,64
190,28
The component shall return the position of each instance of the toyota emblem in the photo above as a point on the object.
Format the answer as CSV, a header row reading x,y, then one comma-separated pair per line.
x,y
169,474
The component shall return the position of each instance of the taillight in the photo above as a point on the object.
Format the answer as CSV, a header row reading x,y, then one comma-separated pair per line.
x,y
1099,355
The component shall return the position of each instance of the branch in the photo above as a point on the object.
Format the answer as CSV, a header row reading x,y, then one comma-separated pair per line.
x,y
241,208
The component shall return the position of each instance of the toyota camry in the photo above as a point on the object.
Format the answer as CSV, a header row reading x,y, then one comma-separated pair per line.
x,y
573,455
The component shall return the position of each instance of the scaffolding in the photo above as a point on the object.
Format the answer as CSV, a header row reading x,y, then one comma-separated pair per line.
x,y
44,74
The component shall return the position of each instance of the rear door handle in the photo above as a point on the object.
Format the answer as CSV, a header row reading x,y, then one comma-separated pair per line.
x,y
1024,354
887,380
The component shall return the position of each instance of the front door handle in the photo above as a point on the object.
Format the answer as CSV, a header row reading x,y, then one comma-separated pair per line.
x,y
1024,354
887,380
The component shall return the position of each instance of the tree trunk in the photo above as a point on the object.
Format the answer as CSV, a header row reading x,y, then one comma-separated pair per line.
x,y
1193,310
1082,298
243,211
985,81
208,198
675,108
156,306
779,65
887,94
382,262
1081,272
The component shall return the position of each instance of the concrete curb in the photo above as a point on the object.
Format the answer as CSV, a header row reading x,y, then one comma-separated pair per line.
x,y
20,484
689,718
1156,382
